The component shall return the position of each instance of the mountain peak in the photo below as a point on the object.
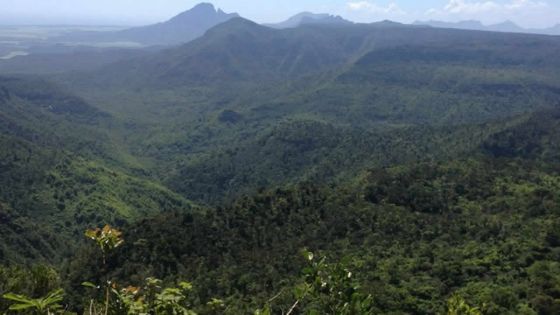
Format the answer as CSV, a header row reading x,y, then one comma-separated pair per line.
x,y
510,22
310,18
310,15
235,25
506,26
387,22
182,28
507,23
201,12
204,6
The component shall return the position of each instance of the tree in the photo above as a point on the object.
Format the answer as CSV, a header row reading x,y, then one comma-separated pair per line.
x,y
456,305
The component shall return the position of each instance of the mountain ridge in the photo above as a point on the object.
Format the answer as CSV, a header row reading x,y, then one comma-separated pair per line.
x,y
506,27
304,18
182,28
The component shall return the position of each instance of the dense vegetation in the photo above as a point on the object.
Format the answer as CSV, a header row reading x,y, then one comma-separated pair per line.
x,y
413,236
383,93
416,169
61,173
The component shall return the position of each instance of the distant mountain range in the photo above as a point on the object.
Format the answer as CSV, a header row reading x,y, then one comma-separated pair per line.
x,y
182,28
507,26
193,23
309,18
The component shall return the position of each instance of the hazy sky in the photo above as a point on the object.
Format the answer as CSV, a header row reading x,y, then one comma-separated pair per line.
x,y
528,13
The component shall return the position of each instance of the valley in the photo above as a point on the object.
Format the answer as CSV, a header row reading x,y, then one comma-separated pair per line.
x,y
417,168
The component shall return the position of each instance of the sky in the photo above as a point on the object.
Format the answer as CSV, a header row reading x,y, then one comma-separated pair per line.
x,y
527,13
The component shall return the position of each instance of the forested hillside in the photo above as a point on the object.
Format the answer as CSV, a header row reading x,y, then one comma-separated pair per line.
x,y
411,235
319,101
416,168
61,172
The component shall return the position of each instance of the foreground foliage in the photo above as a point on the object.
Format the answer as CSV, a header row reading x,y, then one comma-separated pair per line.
x,y
49,304
423,239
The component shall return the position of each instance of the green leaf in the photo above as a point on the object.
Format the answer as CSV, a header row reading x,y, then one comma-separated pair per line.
x,y
17,298
265,311
300,291
17,307
308,271
89,285
187,286
54,297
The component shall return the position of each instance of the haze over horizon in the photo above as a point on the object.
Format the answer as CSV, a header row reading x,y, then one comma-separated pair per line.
x,y
526,13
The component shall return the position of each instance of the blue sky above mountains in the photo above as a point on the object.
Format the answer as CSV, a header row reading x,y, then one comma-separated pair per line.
x,y
527,13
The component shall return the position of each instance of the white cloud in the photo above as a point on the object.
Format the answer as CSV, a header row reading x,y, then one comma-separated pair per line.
x,y
462,6
524,4
375,9
360,5
474,7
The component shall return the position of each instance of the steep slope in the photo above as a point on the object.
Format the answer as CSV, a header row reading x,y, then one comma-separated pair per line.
x,y
450,83
238,51
60,172
536,138
25,240
36,110
182,28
